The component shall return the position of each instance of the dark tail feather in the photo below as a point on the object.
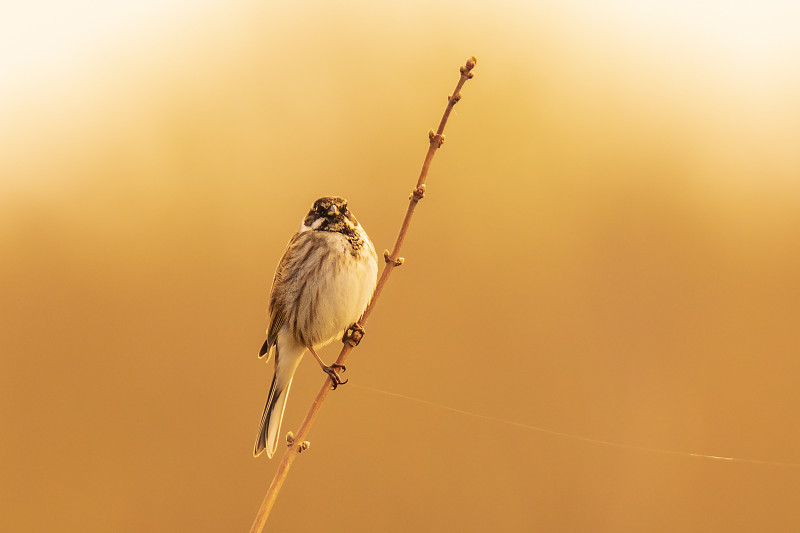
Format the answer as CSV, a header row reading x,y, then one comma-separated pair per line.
x,y
261,442
285,364
271,419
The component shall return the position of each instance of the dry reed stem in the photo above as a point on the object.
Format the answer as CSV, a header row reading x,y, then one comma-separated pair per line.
x,y
392,260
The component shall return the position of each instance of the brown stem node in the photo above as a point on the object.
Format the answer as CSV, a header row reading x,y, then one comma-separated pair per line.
x,y
419,193
388,258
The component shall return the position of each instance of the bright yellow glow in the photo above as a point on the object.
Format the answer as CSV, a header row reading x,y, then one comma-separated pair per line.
x,y
609,247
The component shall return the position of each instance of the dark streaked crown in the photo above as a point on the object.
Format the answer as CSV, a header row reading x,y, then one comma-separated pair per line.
x,y
330,213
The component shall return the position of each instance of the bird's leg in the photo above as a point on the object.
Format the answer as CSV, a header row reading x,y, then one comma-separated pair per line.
x,y
353,335
336,379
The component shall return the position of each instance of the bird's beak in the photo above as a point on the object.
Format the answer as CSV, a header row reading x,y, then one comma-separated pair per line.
x,y
333,211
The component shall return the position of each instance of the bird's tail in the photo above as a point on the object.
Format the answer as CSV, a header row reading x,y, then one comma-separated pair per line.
x,y
276,403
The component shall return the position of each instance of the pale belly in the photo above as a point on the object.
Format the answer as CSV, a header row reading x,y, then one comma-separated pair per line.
x,y
337,293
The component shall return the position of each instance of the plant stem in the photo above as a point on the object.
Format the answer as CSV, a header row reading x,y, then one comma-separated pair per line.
x,y
392,260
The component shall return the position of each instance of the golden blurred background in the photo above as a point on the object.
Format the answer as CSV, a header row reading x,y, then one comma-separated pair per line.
x,y
609,248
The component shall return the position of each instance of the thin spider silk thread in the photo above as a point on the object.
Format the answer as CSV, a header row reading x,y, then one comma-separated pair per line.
x,y
580,437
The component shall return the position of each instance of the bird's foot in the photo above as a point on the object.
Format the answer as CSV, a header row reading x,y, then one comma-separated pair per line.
x,y
336,379
353,335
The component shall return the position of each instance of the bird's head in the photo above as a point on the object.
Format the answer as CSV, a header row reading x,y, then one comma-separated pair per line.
x,y
330,213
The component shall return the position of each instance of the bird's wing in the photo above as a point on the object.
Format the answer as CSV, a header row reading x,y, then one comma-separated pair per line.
x,y
277,309
276,320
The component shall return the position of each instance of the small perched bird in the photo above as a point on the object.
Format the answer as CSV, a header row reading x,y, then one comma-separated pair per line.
x,y
323,284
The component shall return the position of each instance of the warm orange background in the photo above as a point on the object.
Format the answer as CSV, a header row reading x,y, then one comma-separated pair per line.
x,y
610,248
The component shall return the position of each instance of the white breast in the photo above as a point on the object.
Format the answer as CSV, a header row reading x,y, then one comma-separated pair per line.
x,y
340,290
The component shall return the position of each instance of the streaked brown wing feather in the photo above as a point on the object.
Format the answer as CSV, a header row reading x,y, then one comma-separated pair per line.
x,y
276,321
277,312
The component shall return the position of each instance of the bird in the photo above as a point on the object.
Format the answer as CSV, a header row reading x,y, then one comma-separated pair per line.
x,y
322,286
